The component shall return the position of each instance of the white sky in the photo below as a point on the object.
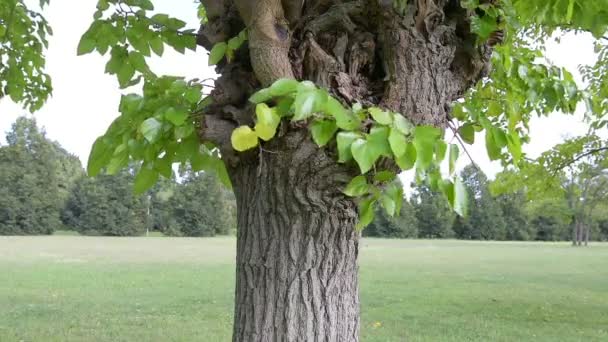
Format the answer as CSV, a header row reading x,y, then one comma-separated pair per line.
x,y
85,100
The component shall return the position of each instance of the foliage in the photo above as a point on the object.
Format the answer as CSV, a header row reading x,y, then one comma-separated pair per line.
x,y
105,205
486,220
402,226
198,206
390,135
435,220
23,39
30,197
158,128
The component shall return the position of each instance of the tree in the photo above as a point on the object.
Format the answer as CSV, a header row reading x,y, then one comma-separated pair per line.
x,y
29,194
435,220
517,222
106,205
575,171
550,218
402,226
192,216
485,220
317,96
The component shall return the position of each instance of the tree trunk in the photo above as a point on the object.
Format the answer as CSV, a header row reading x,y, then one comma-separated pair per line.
x,y
296,247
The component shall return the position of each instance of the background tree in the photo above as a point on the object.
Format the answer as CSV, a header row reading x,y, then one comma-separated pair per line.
x,y
485,220
29,193
200,207
574,171
404,225
516,219
378,68
105,205
434,218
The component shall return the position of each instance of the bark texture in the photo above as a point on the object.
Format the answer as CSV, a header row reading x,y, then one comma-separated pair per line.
x,y
297,247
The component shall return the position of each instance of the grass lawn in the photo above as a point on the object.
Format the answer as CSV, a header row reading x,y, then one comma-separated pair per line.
x,y
71,288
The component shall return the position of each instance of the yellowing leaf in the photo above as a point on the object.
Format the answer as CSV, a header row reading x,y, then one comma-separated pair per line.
x,y
243,139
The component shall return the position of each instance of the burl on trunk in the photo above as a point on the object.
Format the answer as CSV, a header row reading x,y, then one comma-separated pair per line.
x,y
297,243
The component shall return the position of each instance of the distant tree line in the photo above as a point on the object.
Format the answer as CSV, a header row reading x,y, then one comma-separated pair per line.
x,y
509,216
44,188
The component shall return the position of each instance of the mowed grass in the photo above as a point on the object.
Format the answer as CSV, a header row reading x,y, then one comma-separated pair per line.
x,y
70,288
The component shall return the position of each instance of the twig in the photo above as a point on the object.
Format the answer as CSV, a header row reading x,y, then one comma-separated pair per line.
x,y
455,131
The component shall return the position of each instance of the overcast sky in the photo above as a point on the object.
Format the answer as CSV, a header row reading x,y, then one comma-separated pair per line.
x,y
85,100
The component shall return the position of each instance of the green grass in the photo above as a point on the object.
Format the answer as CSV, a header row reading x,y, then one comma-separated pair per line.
x,y
69,288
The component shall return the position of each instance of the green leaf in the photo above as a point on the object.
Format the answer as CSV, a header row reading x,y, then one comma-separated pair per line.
x,y
86,45
440,150
454,154
385,176
151,129
427,133
157,45
425,138
322,131
283,87
461,200
261,96
447,188
378,141
570,11
394,193
514,146
307,103
365,155
398,142
344,141
164,166
175,116
388,204
125,73
243,139
366,212
217,53
358,186
500,137
491,147
402,124
380,116
408,159
145,179
138,61
467,133
344,118
101,153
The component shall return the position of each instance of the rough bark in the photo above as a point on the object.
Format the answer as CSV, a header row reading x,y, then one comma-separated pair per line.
x,y
297,248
